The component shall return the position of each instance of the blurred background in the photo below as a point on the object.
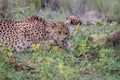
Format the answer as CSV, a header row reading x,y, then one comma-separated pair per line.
x,y
85,57
57,9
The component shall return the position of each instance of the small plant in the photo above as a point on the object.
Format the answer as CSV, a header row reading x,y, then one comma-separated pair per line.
x,y
6,54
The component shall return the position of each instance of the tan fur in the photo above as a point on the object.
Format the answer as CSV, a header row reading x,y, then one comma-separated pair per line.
x,y
60,29
72,23
73,20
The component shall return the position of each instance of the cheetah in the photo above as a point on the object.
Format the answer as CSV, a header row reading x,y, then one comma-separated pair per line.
x,y
8,32
72,22
33,30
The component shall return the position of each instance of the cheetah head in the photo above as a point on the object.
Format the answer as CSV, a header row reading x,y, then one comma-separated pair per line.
x,y
72,22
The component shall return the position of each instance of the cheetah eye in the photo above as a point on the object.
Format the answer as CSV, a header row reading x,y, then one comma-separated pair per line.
x,y
66,33
71,22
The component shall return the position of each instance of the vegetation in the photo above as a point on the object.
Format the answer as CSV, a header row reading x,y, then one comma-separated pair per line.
x,y
88,60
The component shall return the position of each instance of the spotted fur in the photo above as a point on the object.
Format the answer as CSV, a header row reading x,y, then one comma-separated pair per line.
x,y
8,32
